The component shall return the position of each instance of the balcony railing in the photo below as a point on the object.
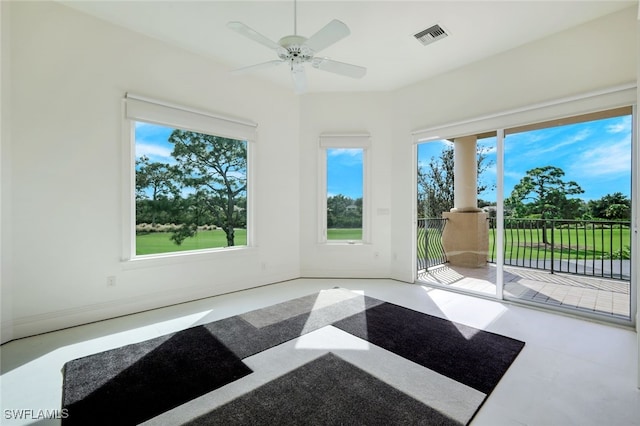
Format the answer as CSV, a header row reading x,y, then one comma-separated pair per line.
x,y
430,249
592,248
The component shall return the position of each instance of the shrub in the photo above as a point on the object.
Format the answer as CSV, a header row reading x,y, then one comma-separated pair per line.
x,y
624,254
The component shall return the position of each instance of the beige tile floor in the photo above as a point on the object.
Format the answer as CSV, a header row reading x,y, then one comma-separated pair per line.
x,y
588,294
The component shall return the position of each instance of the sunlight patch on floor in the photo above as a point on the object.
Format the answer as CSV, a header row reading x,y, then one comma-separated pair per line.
x,y
331,338
327,298
471,311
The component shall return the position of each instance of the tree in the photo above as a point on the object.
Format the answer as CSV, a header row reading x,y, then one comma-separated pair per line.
x,y
215,168
156,188
547,194
344,212
435,182
614,206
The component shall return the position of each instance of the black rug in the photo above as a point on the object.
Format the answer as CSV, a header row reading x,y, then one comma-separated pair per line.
x,y
138,382
134,383
474,357
325,391
253,332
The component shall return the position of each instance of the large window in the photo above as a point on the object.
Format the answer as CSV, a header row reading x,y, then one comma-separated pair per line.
x,y
344,201
191,180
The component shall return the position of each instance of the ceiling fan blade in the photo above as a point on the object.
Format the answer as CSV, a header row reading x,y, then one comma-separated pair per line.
x,y
329,34
257,67
299,79
246,31
353,71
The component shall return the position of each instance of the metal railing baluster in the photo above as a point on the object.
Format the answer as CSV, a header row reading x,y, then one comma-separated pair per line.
x,y
602,251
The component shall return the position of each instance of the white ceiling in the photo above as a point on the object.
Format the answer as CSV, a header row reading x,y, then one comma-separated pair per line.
x,y
381,32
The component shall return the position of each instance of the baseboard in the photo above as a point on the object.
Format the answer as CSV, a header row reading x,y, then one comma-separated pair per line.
x,y
6,331
403,276
344,273
71,317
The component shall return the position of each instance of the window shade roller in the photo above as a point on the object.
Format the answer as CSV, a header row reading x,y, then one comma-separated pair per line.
x,y
356,140
139,108
520,118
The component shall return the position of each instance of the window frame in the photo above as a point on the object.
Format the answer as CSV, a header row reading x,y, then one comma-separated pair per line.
x,y
344,141
147,110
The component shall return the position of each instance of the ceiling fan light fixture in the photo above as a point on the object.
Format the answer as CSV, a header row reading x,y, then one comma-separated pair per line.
x,y
297,50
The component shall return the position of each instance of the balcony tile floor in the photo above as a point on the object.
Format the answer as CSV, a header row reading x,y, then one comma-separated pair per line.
x,y
610,298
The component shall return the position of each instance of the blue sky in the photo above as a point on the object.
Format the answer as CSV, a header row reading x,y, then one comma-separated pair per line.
x,y
595,154
344,172
152,141
344,166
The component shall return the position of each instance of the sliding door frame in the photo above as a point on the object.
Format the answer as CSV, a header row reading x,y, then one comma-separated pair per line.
x,y
594,102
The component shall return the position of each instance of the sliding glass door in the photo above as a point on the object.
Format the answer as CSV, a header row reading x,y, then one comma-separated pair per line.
x,y
454,240
567,213
549,220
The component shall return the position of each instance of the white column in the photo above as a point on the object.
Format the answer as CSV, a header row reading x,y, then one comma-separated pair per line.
x,y
465,171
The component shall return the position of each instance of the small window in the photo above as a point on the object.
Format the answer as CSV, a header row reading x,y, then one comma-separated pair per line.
x,y
191,186
344,201
344,193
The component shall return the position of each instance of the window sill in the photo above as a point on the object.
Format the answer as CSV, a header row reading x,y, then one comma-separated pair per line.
x,y
164,259
345,243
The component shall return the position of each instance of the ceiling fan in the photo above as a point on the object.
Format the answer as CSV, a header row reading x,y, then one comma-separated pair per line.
x,y
295,50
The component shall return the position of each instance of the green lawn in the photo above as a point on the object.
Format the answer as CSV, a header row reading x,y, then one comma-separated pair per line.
x,y
567,243
435,250
344,234
160,242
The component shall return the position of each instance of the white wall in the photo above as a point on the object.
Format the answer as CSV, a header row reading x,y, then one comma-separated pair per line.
x,y
597,55
69,75
346,113
6,316
589,57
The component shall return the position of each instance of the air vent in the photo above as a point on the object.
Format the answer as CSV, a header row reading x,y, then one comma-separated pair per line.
x,y
431,35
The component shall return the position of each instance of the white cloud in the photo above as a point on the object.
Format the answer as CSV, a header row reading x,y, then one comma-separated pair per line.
x,y
491,170
351,152
616,128
513,174
490,149
623,126
578,137
604,160
152,150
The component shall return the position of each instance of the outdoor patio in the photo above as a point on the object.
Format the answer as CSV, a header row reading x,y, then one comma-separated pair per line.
x,y
595,295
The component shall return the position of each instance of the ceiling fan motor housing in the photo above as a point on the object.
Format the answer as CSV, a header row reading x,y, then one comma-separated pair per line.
x,y
294,50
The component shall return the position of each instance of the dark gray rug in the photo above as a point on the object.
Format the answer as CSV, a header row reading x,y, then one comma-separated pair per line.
x,y
474,357
138,382
134,383
258,330
326,391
